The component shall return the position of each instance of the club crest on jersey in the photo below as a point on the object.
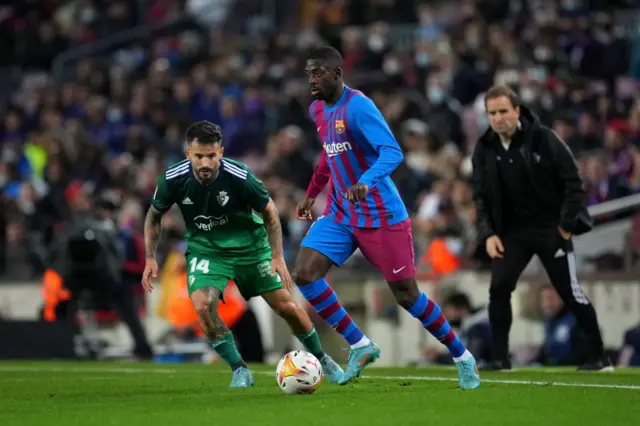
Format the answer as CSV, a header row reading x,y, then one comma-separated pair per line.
x,y
340,126
223,198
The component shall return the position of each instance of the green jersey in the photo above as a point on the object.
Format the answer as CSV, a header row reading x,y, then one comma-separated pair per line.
x,y
220,217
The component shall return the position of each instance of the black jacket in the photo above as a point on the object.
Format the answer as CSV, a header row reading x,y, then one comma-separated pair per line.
x,y
553,172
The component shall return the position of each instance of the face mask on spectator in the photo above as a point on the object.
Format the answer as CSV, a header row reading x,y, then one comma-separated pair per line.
x,y
9,155
542,53
570,5
473,42
87,15
528,94
114,115
538,74
236,61
511,59
276,71
3,180
422,59
547,102
376,43
435,94
391,67
443,47
26,206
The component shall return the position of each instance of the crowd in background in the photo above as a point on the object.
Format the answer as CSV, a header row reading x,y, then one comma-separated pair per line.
x,y
111,123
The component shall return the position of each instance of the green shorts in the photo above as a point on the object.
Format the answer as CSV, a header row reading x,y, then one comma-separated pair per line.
x,y
252,275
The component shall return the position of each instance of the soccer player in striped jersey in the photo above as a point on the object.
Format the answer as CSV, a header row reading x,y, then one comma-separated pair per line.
x,y
227,240
365,211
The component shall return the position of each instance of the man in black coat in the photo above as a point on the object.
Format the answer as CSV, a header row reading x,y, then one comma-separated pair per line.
x,y
529,200
88,257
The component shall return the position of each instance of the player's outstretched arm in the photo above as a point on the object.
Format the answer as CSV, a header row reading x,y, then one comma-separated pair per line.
x,y
152,229
274,231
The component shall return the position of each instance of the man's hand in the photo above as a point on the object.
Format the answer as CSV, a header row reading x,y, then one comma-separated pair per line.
x,y
357,192
150,271
279,266
494,246
564,234
303,211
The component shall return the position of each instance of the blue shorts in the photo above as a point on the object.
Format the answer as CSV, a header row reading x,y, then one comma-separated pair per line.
x,y
333,239
389,248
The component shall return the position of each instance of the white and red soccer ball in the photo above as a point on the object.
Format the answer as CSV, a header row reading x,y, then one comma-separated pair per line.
x,y
299,372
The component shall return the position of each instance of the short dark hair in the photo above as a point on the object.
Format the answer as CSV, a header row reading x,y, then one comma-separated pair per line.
x,y
204,132
327,54
498,91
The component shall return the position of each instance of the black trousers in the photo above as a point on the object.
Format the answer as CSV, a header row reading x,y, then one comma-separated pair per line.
x,y
558,258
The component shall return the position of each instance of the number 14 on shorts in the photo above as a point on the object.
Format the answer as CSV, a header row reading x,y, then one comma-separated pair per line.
x,y
201,265
197,265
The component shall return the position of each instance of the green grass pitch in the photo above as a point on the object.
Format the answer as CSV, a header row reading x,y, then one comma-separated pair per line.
x,y
101,393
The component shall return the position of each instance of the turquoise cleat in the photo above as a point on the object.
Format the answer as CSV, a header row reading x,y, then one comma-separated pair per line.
x,y
358,359
241,378
332,371
468,375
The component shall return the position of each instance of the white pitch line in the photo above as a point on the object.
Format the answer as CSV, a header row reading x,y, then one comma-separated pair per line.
x,y
510,382
20,368
133,370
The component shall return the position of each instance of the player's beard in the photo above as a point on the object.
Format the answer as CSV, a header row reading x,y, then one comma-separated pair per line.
x,y
207,175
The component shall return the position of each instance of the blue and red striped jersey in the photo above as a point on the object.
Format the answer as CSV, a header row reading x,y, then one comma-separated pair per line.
x,y
358,148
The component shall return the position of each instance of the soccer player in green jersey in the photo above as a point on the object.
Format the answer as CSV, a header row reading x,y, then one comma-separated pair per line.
x,y
233,233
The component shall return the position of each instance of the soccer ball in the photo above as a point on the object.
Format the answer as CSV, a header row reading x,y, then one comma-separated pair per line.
x,y
299,372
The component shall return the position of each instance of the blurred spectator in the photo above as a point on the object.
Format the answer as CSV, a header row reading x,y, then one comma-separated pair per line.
x,y
601,186
618,142
630,351
564,343
634,179
117,118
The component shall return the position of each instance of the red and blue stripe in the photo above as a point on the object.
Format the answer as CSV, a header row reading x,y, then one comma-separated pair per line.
x,y
347,168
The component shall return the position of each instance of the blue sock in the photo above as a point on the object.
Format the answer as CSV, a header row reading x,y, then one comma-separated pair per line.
x,y
325,301
432,318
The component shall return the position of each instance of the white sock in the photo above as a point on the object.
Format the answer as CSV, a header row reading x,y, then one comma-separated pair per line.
x,y
464,357
361,343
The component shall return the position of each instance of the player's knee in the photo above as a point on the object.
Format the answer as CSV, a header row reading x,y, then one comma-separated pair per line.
x,y
311,265
305,274
405,293
405,299
286,309
202,308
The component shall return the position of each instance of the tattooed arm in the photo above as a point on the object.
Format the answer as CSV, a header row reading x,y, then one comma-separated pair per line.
x,y
274,231
152,228
274,228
